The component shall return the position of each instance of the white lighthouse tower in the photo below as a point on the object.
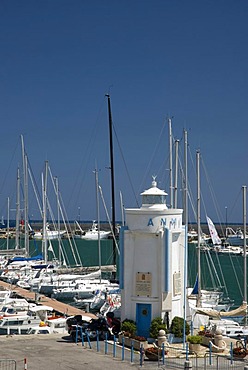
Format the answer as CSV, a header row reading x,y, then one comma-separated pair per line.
x,y
152,261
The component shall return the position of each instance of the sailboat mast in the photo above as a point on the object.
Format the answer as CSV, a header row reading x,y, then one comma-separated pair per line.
x,y
25,183
171,173
244,219
98,220
198,227
44,229
176,172
7,223
112,174
185,216
17,210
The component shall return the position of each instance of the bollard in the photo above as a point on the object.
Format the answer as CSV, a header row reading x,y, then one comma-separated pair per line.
x,y
25,364
188,365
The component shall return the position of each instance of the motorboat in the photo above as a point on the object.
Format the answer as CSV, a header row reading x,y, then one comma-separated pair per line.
x,y
51,326
235,238
84,289
91,234
20,324
15,307
229,328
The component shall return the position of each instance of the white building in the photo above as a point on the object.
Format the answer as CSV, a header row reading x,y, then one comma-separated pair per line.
x,y
152,262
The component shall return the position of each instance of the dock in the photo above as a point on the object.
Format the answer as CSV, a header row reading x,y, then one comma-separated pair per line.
x,y
59,307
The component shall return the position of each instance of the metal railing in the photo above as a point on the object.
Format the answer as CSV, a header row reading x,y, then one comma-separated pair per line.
x,y
171,357
7,364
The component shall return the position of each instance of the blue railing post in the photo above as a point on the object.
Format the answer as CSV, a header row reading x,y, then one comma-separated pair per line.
x,y
210,353
88,339
163,353
142,354
82,335
106,344
131,350
114,347
231,353
123,349
97,341
76,334
187,351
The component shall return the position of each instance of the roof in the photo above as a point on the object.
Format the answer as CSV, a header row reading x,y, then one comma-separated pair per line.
x,y
154,190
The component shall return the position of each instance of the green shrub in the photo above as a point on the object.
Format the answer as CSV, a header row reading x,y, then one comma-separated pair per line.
x,y
177,327
156,325
194,339
129,326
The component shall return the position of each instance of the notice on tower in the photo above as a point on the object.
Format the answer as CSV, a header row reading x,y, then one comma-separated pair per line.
x,y
143,284
177,283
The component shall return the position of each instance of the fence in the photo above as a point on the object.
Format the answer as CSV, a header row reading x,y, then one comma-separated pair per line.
x,y
7,364
177,358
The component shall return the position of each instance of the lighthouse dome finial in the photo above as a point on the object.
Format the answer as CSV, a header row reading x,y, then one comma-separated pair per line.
x,y
154,182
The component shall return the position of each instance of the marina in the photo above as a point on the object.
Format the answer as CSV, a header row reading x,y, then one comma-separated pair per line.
x,y
59,307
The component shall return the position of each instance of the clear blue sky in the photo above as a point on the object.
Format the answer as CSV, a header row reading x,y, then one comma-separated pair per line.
x,y
183,59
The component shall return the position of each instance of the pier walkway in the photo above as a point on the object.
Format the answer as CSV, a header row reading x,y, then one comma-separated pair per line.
x,y
59,307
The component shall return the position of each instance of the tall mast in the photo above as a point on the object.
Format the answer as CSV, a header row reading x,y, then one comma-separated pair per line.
x,y
56,180
44,197
185,216
198,227
18,209
171,175
98,220
7,223
244,219
112,175
176,172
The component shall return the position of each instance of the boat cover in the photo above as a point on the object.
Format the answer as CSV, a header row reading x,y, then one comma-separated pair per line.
x,y
240,311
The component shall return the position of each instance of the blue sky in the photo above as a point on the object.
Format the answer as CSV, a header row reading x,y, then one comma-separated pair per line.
x,y
157,59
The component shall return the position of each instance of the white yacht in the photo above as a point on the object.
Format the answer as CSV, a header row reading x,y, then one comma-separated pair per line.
x,y
92,234
20,324
229,328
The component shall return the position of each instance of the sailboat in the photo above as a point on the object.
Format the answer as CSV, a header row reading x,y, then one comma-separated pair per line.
x,y
218,246
230,327
216,240
198,298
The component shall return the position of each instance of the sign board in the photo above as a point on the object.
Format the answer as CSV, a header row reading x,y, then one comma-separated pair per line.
x,y
176,283
143,284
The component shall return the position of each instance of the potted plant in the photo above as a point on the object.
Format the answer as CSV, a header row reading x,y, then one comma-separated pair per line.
x,y
177,327
128,327
153,353
207,336
194,342
156,325
128,335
